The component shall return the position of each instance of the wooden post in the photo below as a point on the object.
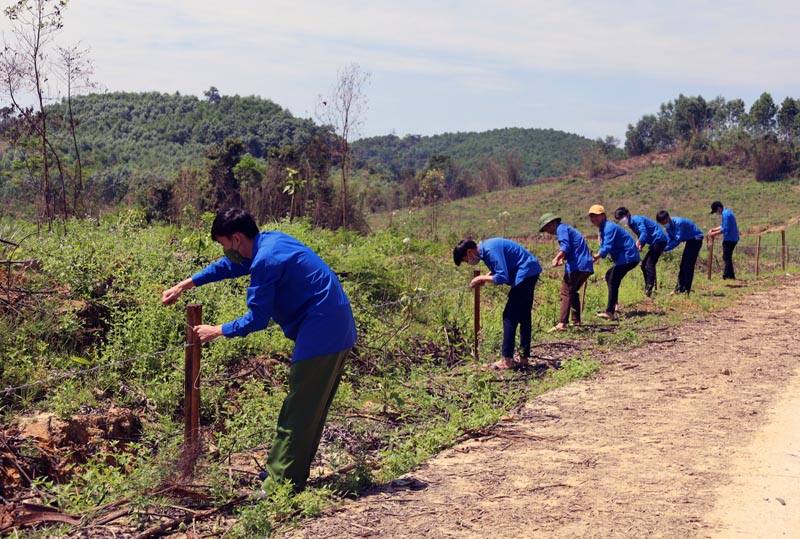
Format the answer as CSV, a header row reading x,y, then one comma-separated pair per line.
x,y
710,255
191,383
477,319
583,294
758,252
783,250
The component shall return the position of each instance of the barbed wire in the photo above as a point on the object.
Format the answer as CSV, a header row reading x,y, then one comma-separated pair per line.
x,y
77,372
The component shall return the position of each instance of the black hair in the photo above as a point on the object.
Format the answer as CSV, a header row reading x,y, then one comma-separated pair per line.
x,y
460,250
233,220
621,212
662,216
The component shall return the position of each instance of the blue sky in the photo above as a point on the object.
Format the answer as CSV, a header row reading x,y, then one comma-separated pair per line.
x,y
587,67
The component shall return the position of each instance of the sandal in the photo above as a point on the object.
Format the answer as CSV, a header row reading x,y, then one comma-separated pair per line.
x,y
496,366
606,316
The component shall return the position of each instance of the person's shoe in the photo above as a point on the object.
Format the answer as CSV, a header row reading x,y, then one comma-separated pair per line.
x,y
648,293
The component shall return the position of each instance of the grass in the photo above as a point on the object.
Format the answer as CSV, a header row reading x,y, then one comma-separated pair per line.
x,y
411,390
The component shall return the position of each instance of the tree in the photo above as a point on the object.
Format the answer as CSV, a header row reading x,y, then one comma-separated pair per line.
x,y
212,95
344,111
762,115
25,68
786,119
76,70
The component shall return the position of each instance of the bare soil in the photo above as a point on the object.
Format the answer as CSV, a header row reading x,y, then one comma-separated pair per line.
x,y
693,437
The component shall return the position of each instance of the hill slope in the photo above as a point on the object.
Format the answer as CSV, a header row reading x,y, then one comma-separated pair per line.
x,y
688,193
541,152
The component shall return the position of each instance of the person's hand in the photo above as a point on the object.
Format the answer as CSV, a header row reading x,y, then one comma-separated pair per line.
x,y
556,262
639,245
171,295
208,333
477,281
596,257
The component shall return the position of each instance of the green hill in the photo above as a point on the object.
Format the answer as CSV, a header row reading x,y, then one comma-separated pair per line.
x,y
688,193
540,152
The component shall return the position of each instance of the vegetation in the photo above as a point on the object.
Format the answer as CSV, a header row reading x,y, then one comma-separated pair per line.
x,y
719,132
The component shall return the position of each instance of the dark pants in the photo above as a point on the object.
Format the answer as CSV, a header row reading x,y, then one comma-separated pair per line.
x,y
649,266
688,261
312,386
570,298
613,279
518,313
727,257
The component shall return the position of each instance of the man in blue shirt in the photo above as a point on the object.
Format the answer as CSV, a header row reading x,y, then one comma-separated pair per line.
x,y
620,245
730,236
648,233
680,230
578,266
511,264
290,284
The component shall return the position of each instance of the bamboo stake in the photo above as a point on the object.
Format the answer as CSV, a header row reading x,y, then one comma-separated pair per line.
x,y
191,406
710,255
783,250
758,253
583,294
477,320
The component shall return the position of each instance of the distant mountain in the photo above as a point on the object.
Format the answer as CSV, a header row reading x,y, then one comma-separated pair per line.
x,y
541,152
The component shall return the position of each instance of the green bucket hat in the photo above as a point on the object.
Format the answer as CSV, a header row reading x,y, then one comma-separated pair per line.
x,y
546,219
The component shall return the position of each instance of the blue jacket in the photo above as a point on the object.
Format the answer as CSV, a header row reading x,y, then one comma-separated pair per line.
x,y
679,230
573,244
730,230
509,262
647,231
617,242
292,285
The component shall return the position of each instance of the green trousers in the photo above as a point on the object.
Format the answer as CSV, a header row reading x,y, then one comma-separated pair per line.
x,y
312,386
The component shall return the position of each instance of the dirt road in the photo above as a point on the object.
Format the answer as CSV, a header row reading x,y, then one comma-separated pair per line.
x,y
698,438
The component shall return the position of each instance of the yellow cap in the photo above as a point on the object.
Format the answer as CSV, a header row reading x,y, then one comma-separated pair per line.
x,y
597,209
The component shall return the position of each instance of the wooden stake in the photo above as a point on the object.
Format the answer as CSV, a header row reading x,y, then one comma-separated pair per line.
x,y
477,320
783,250
710,255
758,252
191,382
583,294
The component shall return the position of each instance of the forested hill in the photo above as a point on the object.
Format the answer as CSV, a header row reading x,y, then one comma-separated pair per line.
x,y
134,138
537,152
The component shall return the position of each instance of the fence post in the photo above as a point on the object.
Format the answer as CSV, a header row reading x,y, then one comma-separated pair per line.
x,y
783,250
191,383
710,254
758,252
477,319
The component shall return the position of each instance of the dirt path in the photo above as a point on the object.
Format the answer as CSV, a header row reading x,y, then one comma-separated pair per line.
x,y
694,438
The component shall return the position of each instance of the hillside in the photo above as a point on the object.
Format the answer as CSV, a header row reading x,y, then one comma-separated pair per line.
x,y
651,184
541,152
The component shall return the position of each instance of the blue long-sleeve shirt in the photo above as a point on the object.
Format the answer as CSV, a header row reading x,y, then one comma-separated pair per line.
x,y
509,262
617,242
647,231
290,284
573,244
680,229
729,228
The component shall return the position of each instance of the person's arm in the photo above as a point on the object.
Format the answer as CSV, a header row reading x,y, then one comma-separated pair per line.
x,y
642,236
560,258
716,231
171,295
674,241
607,240
481,280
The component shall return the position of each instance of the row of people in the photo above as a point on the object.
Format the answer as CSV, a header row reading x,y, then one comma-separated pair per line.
x,y
511,264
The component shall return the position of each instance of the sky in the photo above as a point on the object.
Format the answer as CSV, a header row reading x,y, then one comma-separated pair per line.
x,y
437,66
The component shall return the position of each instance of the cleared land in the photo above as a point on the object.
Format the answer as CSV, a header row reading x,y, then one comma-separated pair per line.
x,y
694,436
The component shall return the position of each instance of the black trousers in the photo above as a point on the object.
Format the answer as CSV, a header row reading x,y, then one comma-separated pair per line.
x,y
688,261
613,279
649,266
518,313
727,257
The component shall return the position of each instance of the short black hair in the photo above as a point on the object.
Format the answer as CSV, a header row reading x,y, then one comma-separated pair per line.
x,y
460,250
662,216
233,220
621,212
